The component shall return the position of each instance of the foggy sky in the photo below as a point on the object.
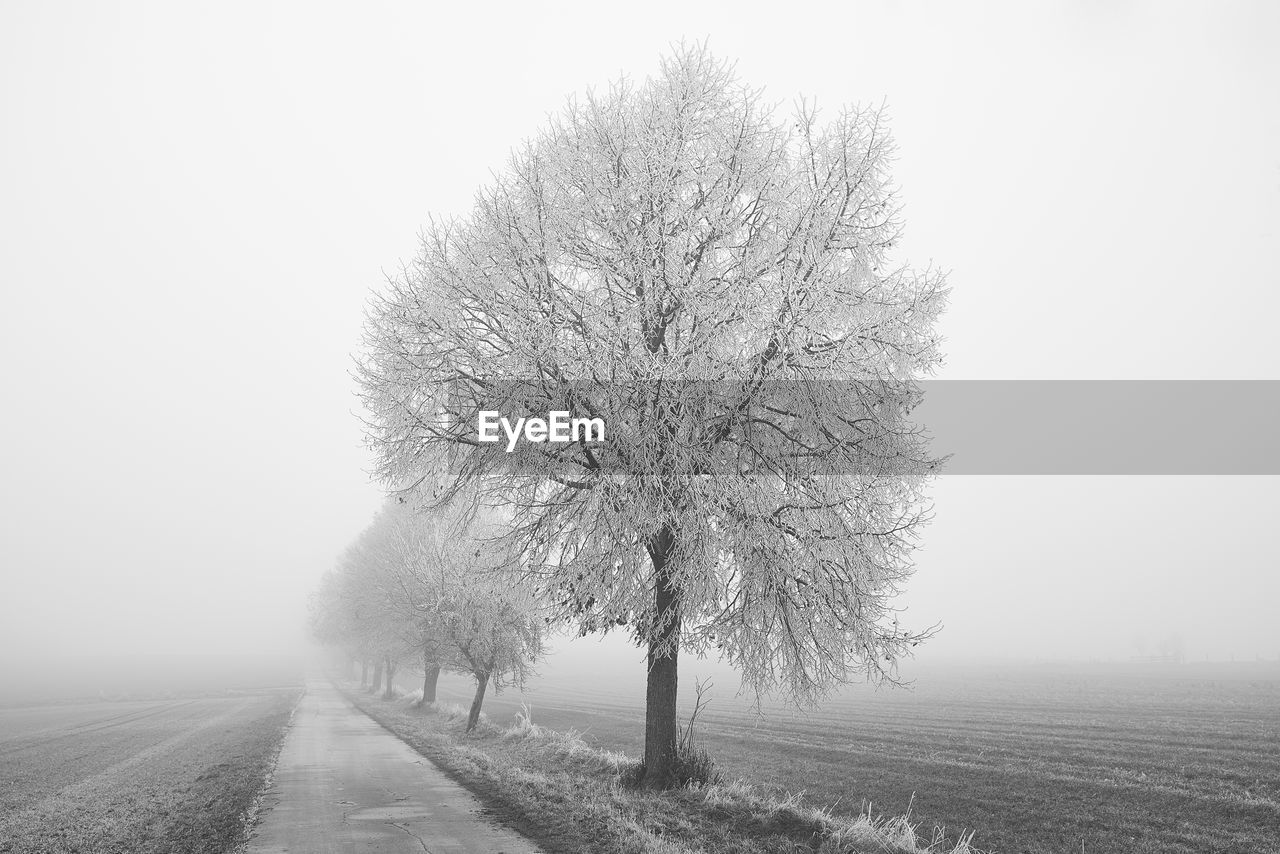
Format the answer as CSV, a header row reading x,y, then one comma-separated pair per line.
x,y
196,203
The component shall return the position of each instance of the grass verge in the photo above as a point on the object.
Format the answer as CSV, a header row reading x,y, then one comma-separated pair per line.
x,y
570,797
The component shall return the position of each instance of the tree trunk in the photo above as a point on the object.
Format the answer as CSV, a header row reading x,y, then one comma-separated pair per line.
x,y
377,676
390,692
482,681
660,730
364,672
430,676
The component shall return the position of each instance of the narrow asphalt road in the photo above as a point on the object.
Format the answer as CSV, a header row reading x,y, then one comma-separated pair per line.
x,y
345,784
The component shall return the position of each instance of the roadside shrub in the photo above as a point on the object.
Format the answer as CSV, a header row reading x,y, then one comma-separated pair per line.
x,y
694,767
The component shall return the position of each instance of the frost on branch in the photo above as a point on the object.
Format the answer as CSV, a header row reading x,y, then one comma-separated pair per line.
x,y
712,277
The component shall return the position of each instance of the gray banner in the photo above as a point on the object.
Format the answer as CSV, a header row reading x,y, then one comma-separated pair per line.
x,y
1140,427
825,427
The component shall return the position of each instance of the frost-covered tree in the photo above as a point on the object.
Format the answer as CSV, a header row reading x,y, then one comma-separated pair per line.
x,y
711,278
404,549
483,615
369,599
330,621
495,630
434,584
343,616
456,590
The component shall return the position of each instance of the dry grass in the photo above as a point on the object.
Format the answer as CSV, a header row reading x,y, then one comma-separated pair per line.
x,y
569,747
570,796
1101,758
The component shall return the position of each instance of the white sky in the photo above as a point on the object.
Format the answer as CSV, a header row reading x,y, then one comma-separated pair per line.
x,y
196,200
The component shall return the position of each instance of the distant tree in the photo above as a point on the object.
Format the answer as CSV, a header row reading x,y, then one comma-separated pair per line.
x,y
497,634
382,626
478,613
432,584
325,615
337,618
713,282
399,551
423,573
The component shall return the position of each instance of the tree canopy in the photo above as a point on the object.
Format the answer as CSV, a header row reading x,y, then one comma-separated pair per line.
x,y
711,278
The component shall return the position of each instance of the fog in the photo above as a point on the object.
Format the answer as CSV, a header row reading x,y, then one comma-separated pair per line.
x,y
196,204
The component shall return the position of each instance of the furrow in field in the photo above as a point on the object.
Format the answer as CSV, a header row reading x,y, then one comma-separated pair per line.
x,y
158,784
36,770
122,720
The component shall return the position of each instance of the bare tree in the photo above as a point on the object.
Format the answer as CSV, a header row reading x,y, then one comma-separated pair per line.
x,y
410,578
330,624
711,281
496,632
379,623
433,584
485,616
340,615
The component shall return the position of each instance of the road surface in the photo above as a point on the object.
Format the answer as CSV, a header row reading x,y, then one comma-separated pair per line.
x,y
345,784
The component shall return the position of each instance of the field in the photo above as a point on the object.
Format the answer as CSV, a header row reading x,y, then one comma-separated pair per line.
x,y
1118,758
135,776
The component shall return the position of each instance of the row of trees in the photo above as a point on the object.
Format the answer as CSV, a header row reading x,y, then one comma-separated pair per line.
x,y
430,588
711,279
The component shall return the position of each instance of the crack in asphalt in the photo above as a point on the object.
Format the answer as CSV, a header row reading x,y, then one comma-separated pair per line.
x,y
411,833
